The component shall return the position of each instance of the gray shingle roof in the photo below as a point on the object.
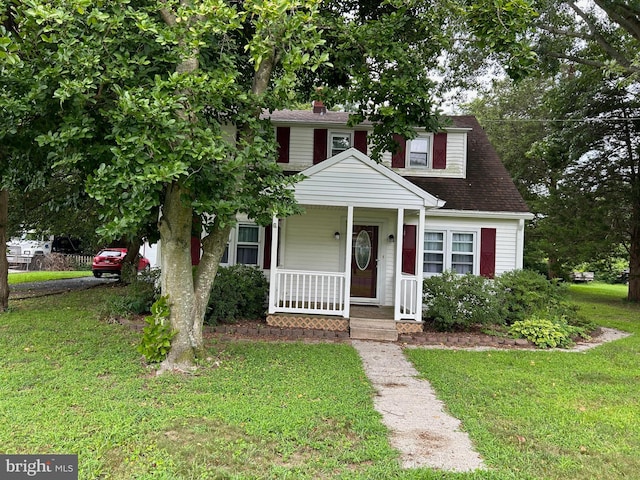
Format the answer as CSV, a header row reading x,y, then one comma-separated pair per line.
x,y
309,118
488,186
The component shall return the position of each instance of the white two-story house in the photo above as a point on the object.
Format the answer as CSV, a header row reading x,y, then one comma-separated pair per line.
x,y
371,231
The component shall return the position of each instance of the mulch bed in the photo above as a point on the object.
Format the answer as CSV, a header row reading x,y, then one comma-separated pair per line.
x,y
258,330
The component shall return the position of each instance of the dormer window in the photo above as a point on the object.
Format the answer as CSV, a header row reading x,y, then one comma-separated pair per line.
x,y
420,152
339,142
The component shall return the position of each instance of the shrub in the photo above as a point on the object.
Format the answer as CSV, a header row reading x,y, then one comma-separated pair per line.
x,y
157,334
547,331
523,292
458,301
137,298
238,292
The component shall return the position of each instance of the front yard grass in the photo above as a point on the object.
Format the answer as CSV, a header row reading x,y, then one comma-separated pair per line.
x,y
42,276
551,414
72,384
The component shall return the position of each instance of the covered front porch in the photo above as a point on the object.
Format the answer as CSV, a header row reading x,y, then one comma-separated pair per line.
x,y
351,247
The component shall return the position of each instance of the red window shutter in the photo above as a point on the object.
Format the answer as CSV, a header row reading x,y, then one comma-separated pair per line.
x,y
440,151
409,249
397,160
195,250
319,145
360,140
488,252
283,134
266,263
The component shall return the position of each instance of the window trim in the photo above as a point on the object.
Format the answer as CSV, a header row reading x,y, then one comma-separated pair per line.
x,y
473,253
429,165
436,252
448,252
234,242
338,133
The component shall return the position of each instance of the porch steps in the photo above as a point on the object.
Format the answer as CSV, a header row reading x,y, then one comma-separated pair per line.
x,y
373,329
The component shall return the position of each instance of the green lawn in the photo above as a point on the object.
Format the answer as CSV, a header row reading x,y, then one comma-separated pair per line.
x,y
551,415
70,383
24,277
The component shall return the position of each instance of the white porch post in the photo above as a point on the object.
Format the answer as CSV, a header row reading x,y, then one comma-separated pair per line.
x,y
398,264
273,274
347,262
419,265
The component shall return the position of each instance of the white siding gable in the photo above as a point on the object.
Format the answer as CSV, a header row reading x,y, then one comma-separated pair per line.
x,y
351,178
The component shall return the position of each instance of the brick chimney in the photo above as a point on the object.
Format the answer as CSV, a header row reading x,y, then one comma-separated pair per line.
x,y
318,107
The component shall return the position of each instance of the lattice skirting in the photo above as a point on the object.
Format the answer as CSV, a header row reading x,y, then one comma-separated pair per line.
x,y
302,321
408,327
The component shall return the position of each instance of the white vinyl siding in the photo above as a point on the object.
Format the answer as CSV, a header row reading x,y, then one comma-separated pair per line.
x,y
300,148
357,183
309,242
301,153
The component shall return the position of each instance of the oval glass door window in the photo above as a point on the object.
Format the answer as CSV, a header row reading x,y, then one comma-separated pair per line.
x,y
363,250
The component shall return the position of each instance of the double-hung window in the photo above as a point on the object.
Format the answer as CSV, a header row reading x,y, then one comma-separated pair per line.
x,y
419,152
248,244
433,252
339,142
243,246
449,250
462,252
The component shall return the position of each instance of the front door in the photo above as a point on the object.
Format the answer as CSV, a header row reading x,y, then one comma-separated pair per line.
x,y
364,261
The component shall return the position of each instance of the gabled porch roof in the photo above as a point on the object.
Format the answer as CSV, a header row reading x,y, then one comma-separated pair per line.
x,y
353,179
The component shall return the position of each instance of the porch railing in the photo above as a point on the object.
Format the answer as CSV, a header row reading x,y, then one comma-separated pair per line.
x,y
409,300
310,292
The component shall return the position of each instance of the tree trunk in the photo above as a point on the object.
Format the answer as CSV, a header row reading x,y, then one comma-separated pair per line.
x,y
188,295
177,277
213,246
4,265
130,262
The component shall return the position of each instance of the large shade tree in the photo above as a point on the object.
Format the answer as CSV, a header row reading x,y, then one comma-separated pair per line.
x,y
160,104
570,142
601,39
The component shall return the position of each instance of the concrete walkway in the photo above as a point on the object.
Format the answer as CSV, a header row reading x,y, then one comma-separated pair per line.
x,y
423,433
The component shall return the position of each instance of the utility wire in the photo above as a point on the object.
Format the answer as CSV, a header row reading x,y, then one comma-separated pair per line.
x,y
566,120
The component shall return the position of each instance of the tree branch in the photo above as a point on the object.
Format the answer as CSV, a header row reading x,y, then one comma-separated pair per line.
x,y
565,33
168,16
598,37
623,15
586,61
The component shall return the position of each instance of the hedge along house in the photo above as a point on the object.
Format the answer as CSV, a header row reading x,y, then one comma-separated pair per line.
x,y
371,231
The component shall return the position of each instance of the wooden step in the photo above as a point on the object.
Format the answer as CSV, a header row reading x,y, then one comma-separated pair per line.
x,y
373,329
